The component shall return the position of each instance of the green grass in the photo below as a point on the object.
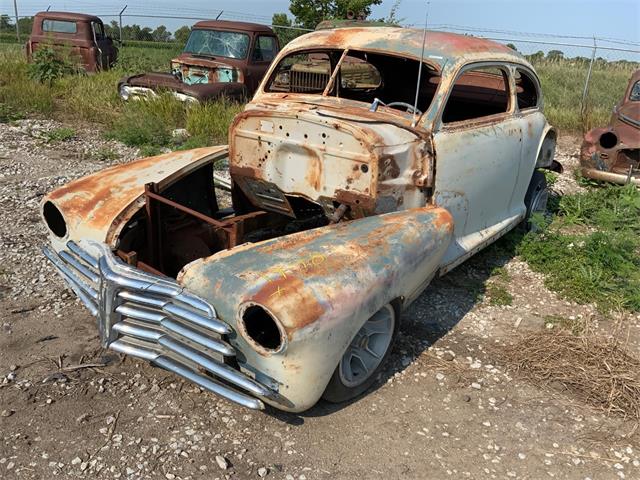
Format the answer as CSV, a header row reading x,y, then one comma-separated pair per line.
x,y
60,134
563,85
498,295
590,252
105,154
94,99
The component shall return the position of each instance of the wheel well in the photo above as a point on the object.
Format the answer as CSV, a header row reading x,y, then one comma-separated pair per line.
x,y
547,150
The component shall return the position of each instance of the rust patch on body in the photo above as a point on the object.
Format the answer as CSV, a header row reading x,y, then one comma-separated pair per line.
x,y
293,303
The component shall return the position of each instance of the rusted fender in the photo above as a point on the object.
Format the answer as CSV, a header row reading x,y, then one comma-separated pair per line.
x,y
97,206
590,147
321,285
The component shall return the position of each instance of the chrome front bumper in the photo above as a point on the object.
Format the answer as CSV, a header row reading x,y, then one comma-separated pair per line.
x,y
129,92
154,318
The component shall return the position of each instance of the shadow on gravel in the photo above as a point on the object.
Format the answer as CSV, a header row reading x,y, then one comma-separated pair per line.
x,y
433,314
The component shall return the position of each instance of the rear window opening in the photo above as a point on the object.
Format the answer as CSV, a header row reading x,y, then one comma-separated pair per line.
x,y
526,90
59,26
362,76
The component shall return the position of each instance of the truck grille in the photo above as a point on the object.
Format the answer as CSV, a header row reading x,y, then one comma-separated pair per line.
x,y
155,318
308,81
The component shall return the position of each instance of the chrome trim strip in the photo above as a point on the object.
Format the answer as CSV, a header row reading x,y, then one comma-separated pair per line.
x,y
87,294
84,270
142,299
73,246
174,326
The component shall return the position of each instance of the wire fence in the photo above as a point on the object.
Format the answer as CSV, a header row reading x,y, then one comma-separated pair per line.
x,y
574,70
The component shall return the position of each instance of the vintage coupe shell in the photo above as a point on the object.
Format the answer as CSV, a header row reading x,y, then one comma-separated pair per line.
x,y
612,153
221,58
347,199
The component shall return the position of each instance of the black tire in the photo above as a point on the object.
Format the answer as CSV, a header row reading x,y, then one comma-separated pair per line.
x,y
536,198
337,390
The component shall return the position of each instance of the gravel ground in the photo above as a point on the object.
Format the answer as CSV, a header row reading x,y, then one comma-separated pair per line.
x,y
447,405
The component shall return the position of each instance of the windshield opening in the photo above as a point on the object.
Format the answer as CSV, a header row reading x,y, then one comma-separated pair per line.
x,y
362,76
217,43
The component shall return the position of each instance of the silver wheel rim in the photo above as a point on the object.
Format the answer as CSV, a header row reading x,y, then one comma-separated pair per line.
x,y
539,203
368,348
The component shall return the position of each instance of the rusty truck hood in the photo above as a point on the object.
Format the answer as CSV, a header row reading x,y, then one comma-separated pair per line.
x,y
97,206
201,61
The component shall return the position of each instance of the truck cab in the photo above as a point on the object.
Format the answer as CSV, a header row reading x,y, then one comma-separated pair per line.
x,y
82,37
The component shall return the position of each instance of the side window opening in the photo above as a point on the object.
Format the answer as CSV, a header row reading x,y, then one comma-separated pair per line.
x,y
526,90
634,96
99,30
477,93
363,76
265,49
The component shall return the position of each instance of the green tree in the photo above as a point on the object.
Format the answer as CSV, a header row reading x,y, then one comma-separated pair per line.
x,y
512,46
392,18
309,13
285,35
182,34
112,30
555,55
26,25
161,34
5,23
536,57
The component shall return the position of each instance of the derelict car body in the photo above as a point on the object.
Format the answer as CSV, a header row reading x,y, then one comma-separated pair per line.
x,y
612,153
346,203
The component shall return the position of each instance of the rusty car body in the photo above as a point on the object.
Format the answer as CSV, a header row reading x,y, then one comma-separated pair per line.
x,y
79,36
346,201
220,58
612,153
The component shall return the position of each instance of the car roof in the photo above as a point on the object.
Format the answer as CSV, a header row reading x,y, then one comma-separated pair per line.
x,y
229,25
440,47
68,16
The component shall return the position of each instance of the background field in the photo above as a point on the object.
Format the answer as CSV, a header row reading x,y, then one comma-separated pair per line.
x,y
94,98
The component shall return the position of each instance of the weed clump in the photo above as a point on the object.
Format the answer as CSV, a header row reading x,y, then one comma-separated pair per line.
x,y
590,251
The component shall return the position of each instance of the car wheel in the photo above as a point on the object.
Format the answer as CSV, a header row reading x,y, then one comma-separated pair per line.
x,y
535,199
364,357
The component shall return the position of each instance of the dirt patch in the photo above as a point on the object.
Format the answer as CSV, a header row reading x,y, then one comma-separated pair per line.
x,y
446,406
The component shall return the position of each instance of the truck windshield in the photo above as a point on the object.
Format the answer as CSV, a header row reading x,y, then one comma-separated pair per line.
x,y
216,43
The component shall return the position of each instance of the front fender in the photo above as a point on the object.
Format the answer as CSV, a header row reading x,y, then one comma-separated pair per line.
x,y
321,285
97,206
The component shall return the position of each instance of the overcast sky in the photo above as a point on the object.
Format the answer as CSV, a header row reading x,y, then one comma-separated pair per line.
x,y
618,19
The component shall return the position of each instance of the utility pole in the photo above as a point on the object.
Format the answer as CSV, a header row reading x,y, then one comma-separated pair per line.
x,y
15,9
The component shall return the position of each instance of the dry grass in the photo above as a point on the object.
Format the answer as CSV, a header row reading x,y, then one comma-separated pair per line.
x,y
597,370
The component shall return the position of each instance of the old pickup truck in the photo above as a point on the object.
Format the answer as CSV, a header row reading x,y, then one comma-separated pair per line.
x,y
220,58
79,36
612,153
349,195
